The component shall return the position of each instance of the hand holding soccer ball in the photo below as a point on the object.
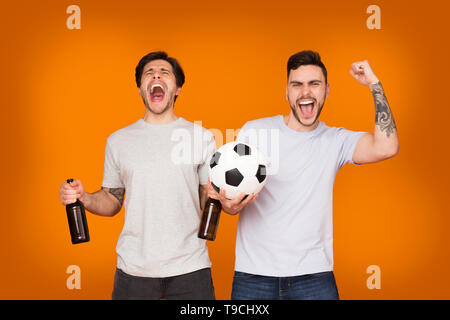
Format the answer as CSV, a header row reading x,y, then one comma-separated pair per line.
x,y
237,174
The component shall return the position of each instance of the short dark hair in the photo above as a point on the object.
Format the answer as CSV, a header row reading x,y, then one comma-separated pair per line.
x,y
160,55
303,58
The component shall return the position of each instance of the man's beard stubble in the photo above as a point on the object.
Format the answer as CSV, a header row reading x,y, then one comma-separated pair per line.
x,y
294,112
170,102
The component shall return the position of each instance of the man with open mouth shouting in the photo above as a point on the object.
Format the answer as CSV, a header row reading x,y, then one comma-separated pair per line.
x,y
284,244
158,252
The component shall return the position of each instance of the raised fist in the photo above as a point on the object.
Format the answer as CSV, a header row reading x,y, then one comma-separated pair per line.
x,y
362,72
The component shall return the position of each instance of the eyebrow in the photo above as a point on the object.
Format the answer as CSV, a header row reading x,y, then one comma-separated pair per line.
x,y
299,82
161,68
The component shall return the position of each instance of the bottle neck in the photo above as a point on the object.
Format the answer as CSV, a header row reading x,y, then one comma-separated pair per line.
x,y
213,202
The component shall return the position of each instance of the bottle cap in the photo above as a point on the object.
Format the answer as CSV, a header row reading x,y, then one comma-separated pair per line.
x,y
69,180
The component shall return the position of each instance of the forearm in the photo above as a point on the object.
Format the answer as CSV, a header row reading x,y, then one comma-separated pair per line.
x,y
385,134
105,202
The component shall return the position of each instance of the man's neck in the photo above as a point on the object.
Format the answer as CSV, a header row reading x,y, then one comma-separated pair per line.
x,y
294,124
166,117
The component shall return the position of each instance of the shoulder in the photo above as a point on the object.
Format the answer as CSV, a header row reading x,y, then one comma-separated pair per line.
x,y
125,132
267,122
340,133
194,131
327,130
195,128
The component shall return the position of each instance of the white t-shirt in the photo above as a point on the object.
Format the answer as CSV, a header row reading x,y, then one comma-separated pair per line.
x,y
160,166
288,230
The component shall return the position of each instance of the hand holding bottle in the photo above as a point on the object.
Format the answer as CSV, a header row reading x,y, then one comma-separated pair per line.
x,y
70,192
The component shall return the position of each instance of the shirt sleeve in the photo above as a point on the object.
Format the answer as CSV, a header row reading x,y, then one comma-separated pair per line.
x,y
209,147
347,141
111,172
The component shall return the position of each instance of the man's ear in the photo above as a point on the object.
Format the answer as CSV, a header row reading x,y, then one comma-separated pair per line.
x,y
327,90
177,93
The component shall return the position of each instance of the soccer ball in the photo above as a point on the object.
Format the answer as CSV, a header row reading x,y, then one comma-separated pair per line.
x,y
238,168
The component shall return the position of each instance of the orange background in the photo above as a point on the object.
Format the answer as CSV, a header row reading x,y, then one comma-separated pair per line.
x,y
65,91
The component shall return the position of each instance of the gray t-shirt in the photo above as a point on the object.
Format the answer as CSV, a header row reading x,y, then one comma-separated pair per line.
x,y
160,166
288,230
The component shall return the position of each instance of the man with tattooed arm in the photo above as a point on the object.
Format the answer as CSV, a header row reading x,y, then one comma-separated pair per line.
x,y
158,252
284,244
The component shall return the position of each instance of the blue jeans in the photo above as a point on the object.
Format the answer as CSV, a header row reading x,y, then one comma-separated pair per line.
x,y
317,286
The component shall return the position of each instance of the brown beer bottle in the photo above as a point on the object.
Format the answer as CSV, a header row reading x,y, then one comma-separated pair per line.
x,y
76,216
210,219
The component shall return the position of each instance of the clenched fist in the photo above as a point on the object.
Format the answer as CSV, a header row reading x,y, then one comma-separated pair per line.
x,y
70,192
362,72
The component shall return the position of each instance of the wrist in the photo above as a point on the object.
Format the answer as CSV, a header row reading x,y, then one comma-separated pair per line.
x,y
374,81
85,199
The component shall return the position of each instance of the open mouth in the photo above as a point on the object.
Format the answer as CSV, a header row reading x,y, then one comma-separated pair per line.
x,y
157,93
306,107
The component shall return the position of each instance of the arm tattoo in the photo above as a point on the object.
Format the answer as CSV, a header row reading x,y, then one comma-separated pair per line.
x,y
383,114
116,192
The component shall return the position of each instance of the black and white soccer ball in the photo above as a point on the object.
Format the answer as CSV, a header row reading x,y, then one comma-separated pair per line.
x,y
238,168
